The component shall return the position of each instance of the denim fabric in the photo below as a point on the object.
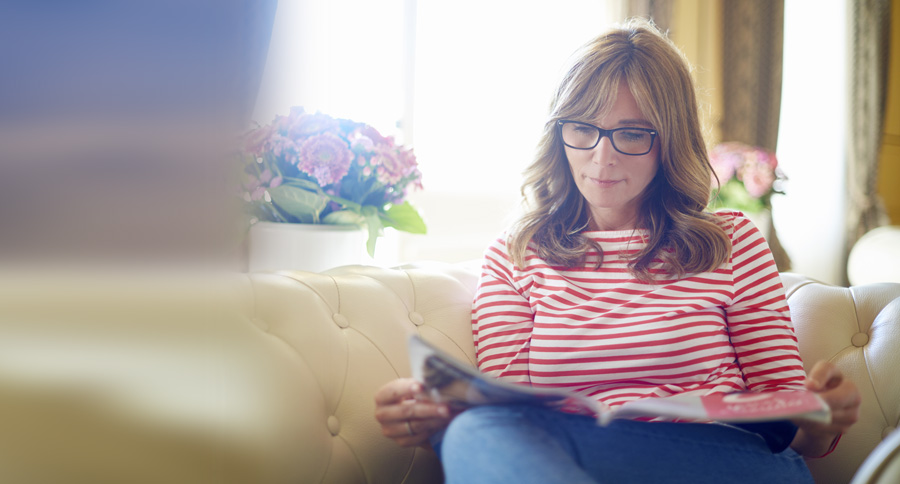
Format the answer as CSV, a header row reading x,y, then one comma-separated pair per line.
x,y
526,444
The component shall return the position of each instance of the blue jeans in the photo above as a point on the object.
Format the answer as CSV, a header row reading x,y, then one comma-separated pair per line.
x,y
526,444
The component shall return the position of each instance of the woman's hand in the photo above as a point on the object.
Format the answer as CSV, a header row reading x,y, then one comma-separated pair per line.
x,y
815,439
406,415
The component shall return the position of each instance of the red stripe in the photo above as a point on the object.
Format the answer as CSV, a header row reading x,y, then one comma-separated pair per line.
x,y
516,307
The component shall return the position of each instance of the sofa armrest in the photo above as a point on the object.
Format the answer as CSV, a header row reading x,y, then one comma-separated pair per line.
x,y
883,464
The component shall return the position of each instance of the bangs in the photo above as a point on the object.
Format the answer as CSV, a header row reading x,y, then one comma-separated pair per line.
x,y
591,95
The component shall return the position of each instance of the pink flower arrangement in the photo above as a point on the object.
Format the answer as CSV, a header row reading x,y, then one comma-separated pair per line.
x,y
312,168
745,177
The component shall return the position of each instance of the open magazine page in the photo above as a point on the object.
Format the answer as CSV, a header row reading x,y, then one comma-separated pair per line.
x,y
447,379
730,407
460,385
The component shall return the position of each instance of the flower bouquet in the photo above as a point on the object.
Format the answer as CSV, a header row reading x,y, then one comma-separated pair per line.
x,y
747,177
312,168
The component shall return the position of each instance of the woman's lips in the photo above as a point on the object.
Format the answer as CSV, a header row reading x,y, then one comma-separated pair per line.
x,y
603,183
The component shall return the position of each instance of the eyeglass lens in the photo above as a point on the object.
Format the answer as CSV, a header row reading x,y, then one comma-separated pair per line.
x,y
586,136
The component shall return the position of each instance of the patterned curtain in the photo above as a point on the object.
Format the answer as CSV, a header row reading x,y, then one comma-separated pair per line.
x,y
659,11
753,38
868,50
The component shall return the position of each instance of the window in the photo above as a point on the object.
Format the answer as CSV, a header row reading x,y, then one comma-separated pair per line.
x,y
467,82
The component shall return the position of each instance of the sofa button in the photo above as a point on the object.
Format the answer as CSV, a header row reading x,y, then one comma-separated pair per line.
x,y
334,425
887,431
859,339
340,320
261,324
416,318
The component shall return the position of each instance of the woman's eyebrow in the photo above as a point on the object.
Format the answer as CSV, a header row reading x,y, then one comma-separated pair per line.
x,y
635,122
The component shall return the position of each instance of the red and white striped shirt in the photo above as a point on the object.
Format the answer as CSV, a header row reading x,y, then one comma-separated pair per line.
x,y
604,334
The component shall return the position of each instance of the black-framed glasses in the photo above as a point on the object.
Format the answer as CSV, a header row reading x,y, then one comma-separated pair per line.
x,y
628,140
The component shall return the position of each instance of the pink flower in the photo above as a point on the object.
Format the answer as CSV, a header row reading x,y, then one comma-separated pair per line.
x,y
256,140
325,157
757,177
363,143
257,185
267,177
280,144
725,160
754,167
257,194
375,136
393,165
309,124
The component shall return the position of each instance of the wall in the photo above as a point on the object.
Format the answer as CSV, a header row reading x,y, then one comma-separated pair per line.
x,y
889,168
696,28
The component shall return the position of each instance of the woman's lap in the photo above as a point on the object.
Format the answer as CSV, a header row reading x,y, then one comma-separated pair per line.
x,y
525,444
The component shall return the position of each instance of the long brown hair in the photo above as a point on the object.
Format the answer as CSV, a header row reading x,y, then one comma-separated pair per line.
x,y
681,233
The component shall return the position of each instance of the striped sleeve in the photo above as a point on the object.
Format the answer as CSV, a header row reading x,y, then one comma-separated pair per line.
x,y
758,318
502,318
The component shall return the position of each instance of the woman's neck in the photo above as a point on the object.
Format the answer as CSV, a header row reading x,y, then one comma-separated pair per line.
x,y
609,222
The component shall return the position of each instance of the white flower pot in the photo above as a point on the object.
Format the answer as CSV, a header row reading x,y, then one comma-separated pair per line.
x,y
305,247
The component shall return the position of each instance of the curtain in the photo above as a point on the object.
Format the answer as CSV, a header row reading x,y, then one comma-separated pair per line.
x,y
752,59
659,11
869,41
752,49
738,70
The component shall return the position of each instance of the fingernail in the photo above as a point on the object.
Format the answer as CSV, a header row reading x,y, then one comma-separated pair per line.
x,y
416,388
443,411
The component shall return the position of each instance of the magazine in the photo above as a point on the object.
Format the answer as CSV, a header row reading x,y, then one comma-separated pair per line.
x,y
461,385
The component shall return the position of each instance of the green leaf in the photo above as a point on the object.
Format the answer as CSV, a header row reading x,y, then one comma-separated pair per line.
x,y
404,217
304,184
346,203
734,195
373,221
297,202
344,217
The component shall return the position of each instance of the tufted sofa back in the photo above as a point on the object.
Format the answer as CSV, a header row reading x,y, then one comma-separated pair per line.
x,y
857,328
270,378
350,327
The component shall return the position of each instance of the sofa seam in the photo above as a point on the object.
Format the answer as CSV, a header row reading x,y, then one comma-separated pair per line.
x,y
797,288
296,352
866,358
313,289
355,459
415,299
340,395
382,284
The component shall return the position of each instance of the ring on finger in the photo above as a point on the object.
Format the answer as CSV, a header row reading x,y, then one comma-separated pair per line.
x,y
409,428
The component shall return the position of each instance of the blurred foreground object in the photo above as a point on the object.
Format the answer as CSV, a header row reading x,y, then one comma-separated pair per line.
x,y
111,377
116,123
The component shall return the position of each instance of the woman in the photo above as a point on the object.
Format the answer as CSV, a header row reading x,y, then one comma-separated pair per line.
x,y
617,285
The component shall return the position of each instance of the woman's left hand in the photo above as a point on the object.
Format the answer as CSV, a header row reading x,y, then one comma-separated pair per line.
x,y
815,439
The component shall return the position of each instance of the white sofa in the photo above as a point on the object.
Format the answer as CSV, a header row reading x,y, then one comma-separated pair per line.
x,y
269,378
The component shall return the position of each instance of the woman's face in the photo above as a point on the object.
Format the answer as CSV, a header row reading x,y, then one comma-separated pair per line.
x,y
612,182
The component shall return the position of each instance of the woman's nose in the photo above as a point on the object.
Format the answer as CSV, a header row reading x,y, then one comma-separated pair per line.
x,y
604,153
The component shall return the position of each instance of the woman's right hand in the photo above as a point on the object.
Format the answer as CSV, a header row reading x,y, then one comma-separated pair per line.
x,y
406,415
